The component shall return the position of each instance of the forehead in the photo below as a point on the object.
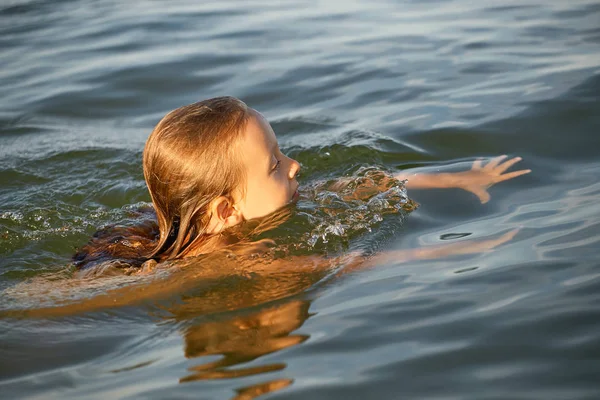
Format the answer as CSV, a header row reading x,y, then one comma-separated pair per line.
x,y
258,135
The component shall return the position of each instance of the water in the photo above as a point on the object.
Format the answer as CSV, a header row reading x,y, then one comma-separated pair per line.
x,y
397,84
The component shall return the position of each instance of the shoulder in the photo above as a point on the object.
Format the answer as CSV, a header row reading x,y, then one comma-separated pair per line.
x,y
120,245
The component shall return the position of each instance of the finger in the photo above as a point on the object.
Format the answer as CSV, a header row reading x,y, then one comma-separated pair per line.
x,y
494,162
506,165
511,175
476,165
483,194
502,239
508,235
266,242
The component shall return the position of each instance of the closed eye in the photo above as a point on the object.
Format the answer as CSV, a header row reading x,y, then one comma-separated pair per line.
x,y
276,166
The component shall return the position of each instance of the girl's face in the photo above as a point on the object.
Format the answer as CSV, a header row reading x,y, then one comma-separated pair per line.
x,y
270,175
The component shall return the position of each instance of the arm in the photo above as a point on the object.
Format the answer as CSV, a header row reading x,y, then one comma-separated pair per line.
x,y
428,252
283,277
477,180
357,261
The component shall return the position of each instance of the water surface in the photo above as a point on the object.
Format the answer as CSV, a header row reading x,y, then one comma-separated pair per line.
x,y
406,84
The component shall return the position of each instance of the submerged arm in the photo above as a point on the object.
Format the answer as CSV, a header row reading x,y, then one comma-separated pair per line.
x,y
477,180
430,252
288,275
357,261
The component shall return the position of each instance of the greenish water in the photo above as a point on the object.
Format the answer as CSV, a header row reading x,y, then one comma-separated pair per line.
x,y
399,85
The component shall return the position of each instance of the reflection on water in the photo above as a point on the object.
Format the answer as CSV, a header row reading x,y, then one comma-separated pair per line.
x,y
242,339
261,321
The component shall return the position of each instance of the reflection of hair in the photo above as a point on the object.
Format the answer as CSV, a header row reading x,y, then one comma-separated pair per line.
x,y
191,157
248,335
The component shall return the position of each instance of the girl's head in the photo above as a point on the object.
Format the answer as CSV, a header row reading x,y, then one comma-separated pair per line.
x,y
209,166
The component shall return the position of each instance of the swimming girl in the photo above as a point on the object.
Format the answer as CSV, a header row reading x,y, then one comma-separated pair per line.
x,y
212,165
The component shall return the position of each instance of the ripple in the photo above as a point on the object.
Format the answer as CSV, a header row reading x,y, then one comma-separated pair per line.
x,y
430,85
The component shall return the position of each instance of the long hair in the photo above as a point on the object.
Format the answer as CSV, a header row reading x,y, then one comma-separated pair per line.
x,y
191,157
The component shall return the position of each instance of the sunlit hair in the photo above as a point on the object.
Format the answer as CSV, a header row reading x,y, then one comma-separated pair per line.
x,y
192,157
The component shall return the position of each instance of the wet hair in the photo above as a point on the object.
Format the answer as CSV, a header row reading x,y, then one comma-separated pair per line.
x,y
191,157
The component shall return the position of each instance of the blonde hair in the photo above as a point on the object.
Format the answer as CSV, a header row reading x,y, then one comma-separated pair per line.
x,y
192,157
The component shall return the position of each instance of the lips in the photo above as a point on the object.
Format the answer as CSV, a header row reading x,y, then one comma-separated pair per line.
x,y
296,195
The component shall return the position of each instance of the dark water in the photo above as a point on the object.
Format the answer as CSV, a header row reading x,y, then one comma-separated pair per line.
x,y
400,84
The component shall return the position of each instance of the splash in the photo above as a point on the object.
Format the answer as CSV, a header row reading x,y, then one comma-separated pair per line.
x,y
19,228
331,213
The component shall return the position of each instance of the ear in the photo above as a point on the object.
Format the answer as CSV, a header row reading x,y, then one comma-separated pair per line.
x,y
223,214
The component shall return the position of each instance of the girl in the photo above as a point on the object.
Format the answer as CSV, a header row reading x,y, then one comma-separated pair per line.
x,y
212,165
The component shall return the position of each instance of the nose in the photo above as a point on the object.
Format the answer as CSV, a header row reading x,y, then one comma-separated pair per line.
x,y
294,168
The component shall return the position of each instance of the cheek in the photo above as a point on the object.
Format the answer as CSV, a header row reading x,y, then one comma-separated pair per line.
x,y
273,194
263,198
282,186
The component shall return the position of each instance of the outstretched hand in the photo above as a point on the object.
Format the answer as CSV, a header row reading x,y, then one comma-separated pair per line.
x,y
482,177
